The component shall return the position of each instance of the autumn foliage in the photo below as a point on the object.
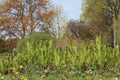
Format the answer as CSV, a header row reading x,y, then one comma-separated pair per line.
x,y
19,18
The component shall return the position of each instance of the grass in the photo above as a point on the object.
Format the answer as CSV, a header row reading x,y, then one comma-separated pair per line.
x,y
46,62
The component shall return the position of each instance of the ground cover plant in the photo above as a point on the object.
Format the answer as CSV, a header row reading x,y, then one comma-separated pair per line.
x,y
47,62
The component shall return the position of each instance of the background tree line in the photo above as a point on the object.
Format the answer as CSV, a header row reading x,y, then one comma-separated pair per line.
x,y
99,17
21,18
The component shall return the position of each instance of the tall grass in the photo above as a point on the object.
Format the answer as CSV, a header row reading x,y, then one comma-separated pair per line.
x,y
46,55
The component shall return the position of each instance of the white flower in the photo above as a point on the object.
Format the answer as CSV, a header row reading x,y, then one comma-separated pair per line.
x,y
2,77
115,78
89,72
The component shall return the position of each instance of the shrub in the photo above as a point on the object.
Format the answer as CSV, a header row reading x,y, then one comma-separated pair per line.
x,y
35,38
2,46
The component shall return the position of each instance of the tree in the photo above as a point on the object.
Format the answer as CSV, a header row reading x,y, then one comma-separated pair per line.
x,y
101,13
80,30
60,22
20,18
116,25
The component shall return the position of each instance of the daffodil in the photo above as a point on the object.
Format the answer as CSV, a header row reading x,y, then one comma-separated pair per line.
x,y
16,73
24,79
21,67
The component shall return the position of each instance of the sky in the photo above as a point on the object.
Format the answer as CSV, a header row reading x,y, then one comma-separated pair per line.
x,y
72,8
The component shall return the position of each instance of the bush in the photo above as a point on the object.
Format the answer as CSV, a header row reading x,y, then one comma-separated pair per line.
x,y
2,46
35,38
